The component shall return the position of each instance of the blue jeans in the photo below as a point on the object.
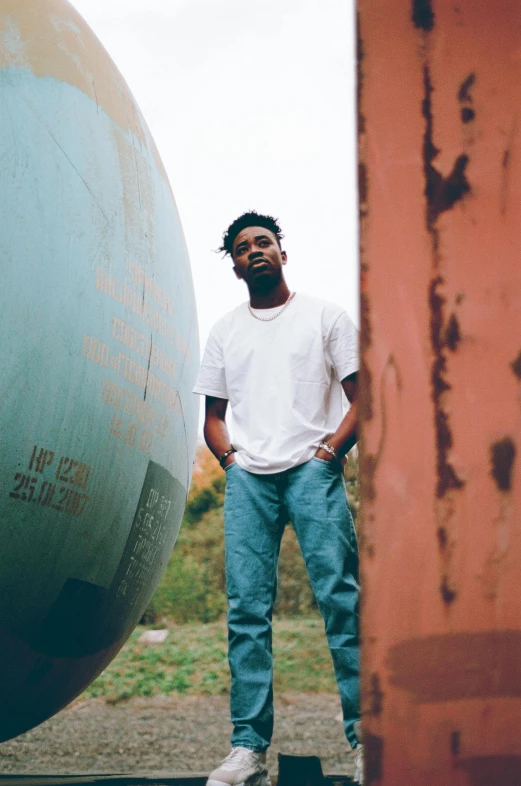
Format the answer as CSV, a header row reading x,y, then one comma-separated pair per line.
x,y
256,508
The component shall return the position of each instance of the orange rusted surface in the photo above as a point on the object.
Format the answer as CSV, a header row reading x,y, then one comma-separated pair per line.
x,y
440,193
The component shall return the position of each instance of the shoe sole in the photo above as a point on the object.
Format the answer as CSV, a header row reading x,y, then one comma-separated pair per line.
x,y
258,780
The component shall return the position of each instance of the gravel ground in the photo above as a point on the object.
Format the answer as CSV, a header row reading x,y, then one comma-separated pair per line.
x,y
166,734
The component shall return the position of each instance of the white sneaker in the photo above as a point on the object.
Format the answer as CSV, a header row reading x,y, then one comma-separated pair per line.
x,y
242,767
358,776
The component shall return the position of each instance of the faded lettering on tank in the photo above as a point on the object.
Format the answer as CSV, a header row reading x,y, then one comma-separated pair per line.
x,y
135,300
152,530
145,347
51,483
138,374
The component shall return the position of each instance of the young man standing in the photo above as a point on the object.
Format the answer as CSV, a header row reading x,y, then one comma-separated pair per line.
x,y
283,361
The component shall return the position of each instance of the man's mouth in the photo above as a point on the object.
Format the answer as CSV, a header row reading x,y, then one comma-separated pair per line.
x,y
258,263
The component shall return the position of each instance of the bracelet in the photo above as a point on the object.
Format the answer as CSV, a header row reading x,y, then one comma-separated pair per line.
x,y
329,449
225,455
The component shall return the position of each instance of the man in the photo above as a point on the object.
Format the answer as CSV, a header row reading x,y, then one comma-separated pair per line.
x,y
281,361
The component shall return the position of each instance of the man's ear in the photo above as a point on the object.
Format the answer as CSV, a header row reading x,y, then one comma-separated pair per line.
x,y
284,257
237,273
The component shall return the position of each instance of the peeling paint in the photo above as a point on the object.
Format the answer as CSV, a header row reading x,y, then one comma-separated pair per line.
x,y
465,99
362,189
506,161
467,114
502,456
464,95
446,474
443,538
442,193
448,594
360,75
516,366
489,770
453,334
455,743
365,404
423,15
374,755
375,696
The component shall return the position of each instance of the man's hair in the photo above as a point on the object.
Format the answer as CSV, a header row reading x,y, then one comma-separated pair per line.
x,y
249,219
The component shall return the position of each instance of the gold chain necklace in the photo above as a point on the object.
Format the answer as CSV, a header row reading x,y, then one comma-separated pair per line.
x,y
268,319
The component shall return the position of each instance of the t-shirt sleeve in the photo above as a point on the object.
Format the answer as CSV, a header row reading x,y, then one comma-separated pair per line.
x,y
211,380
342,346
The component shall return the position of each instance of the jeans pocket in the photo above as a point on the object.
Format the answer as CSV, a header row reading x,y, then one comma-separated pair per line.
x,y
233,463
334,466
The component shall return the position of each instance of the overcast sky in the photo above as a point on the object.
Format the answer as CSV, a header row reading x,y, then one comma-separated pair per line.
x,y
252,105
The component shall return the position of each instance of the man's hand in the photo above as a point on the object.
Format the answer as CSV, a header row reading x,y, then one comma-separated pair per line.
x,y
325,456
345,436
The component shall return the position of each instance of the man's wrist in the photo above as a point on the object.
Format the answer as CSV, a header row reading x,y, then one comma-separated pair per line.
x,y
327,455
222,459
329,449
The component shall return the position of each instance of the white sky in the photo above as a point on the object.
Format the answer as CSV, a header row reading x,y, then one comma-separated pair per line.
x,y
252,106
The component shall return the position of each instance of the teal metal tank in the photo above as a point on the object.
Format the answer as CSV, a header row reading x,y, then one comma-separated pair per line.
x,y
98,357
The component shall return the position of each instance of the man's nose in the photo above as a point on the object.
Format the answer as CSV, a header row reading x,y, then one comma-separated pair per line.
x,y
254,254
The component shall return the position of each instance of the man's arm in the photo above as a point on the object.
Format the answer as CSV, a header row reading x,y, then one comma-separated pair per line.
x,y
346,434
215,428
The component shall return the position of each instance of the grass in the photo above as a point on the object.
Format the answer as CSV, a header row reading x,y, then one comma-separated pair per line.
x,y
193,662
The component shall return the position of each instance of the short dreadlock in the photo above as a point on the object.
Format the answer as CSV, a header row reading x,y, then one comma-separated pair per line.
x,y
250,219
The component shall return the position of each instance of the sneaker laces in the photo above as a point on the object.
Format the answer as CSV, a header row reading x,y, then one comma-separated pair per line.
x,y
238,758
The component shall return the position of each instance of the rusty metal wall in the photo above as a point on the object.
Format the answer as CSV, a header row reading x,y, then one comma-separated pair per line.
x,y
440,195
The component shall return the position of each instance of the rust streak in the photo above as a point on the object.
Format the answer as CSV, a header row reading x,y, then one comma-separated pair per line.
x,y
464,96
453,335
359,83
441,194
366,399
443,538
516,366
502,457
447,477
374,754
458,666
375,696
423,15
447,592
488,770
455,743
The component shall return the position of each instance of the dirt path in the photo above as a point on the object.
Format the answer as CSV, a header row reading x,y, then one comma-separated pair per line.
x,y
170,734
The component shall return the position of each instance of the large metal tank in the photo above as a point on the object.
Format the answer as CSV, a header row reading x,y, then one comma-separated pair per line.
x,y
440,166
98,357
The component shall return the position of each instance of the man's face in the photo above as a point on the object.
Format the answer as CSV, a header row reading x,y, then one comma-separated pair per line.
x,y
257,258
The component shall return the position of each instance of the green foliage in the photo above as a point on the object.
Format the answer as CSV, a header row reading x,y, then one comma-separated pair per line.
x,y
206,499
193,586
193,661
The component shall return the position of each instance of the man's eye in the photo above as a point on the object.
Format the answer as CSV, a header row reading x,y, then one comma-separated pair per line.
x,y
263,243
240,250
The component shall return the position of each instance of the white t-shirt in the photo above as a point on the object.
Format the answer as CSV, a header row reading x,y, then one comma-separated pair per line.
x,y
282,379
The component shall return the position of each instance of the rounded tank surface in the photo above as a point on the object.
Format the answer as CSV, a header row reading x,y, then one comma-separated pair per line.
x,y
99,354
